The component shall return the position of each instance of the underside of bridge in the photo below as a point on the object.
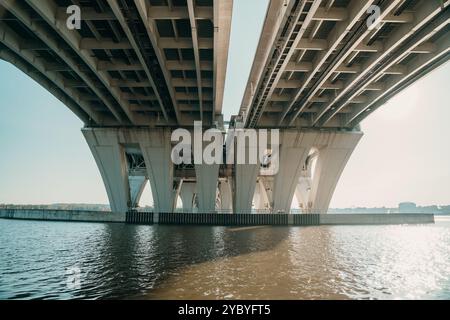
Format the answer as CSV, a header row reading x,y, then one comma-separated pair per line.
x,y
137,69
131,63
323,66
329,64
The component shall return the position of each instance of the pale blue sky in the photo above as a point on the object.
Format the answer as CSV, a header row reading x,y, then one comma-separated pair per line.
x,y
404,156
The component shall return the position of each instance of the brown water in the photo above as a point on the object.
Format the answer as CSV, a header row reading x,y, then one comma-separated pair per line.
x,y
162,262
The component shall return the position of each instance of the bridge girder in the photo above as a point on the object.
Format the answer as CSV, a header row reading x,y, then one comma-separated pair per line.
x,y
337,69
118,75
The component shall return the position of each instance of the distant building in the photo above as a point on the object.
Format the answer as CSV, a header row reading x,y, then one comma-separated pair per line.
x,y
407,207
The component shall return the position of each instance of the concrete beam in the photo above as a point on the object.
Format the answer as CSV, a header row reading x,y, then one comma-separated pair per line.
x,y
191,83
313,44
177,13
357,9
49,12
196,48
424,13
104,44
331,14
415,66
341,14
290,44
207,96
123,23
119,66
15,60
294,84
144,11
88,14
275,19
222,31
188,65
181,43
130,84
54,45
299,66
10,39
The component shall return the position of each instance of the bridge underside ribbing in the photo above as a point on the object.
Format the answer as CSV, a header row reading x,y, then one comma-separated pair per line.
x,y
130,62
332,63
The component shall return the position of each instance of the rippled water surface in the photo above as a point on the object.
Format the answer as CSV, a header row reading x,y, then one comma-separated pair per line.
x,y
38,261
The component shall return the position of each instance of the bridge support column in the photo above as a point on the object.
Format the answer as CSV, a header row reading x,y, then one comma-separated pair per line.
x,y
226,198
207,180
335,150
295,146
314,189
110,157
302,194
137,186
262,201
246,170
187,193
156,149
244,187
303,189
257,197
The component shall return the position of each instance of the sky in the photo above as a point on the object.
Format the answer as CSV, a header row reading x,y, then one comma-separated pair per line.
x,y
404,155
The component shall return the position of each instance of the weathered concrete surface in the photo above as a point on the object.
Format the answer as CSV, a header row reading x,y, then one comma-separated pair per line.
x,y
374,219
62,215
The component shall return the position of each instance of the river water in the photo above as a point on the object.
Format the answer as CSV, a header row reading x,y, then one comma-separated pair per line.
x,y
60,260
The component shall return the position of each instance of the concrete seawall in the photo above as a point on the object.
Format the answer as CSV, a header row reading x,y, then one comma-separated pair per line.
x,y
216,219
62,215
374,219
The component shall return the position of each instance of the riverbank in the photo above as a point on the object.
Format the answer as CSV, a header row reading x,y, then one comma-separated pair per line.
x,y
215,219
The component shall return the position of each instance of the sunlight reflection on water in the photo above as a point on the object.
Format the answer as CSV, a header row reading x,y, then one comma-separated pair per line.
x,y
123,261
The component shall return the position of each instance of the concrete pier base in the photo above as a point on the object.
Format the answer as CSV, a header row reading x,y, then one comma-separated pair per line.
x,y
109,155
244,187
156,149
113,147
187,193
334,151
225,193
137,186
313,189
207,180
